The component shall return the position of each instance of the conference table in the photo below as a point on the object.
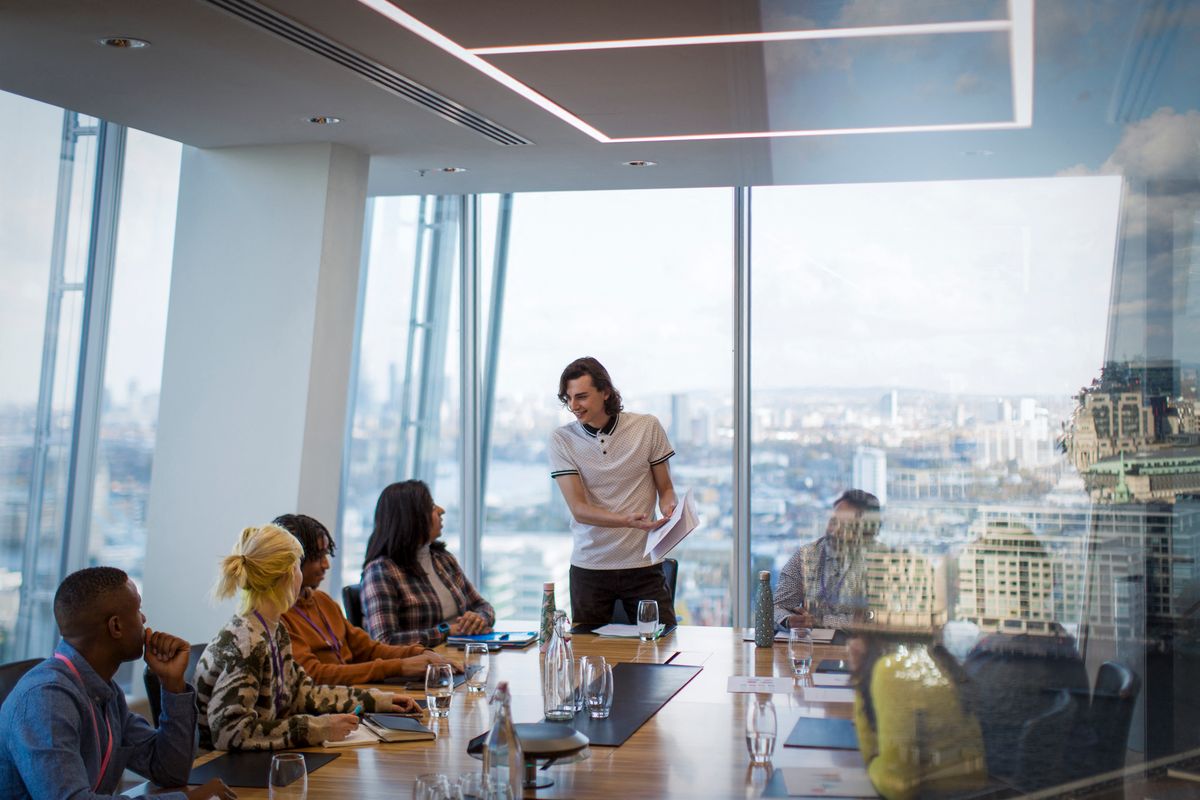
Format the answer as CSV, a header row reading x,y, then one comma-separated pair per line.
x,y
694,747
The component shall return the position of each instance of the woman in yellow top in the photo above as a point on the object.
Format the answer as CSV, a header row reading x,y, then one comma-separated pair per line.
x,y
912,710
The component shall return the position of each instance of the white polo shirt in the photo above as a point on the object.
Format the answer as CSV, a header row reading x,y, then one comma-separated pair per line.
x,y
614,464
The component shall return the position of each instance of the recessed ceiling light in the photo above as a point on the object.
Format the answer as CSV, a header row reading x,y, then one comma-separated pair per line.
x,y
443,170
123,42
640,163
324,120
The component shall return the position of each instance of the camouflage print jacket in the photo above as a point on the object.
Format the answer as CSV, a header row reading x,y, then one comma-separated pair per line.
x,y
237,692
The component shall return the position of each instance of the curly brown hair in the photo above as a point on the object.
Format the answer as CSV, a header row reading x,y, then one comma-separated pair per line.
x,y
599,375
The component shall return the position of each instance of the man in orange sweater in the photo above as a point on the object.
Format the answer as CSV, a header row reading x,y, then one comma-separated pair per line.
x,y
324,642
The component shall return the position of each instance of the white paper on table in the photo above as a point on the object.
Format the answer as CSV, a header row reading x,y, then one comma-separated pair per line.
x,y
823,635
827,782
681,522
819,635
361,736
825,694
760,684
780,636
831,679
624,631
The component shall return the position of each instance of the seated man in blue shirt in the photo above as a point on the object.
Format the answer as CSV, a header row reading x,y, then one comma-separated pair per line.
x,y
67,730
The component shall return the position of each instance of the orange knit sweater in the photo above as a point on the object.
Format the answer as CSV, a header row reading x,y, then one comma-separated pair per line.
x,y
366,660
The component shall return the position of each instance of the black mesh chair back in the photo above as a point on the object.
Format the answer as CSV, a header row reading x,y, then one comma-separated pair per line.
x,y
670,573
153,688
352,602
1113,700
1042,745
12,672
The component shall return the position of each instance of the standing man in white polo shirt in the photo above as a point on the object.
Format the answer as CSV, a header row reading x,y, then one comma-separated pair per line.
x,y
611,467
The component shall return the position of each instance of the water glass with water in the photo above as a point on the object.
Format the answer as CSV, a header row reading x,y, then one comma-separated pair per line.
x,y
760,729
476,662
800,649
439,688
289,777
647,620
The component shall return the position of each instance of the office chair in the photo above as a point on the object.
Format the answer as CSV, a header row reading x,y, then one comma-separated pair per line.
x,y
12,672
153,688
352,602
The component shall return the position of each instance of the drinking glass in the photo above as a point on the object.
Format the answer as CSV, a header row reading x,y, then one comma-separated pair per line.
x,y
431,786
760,729
647,620
579,704
439,687
800,648
289,778
476,661
472,786
597,686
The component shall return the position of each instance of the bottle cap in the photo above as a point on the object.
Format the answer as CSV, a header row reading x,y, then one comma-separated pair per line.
x,y
548,586
765,575
502,686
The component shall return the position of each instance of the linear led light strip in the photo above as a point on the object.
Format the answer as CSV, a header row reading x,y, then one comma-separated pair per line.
x,y
1019,26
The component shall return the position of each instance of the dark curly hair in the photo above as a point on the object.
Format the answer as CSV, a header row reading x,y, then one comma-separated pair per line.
x,y
590,366
310,532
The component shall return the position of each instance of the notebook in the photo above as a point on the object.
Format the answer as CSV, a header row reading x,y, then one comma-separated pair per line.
x,y
823,732
497,638
249,768
376,728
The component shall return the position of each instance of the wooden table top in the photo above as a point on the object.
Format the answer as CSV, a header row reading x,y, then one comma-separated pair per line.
x,y
694,747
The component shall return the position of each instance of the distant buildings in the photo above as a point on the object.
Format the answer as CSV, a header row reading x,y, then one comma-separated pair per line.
x,y
869,472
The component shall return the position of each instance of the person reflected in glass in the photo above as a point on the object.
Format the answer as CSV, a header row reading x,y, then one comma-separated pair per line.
x,y
612,469
250,691
914,716
413,590
823,584
324,642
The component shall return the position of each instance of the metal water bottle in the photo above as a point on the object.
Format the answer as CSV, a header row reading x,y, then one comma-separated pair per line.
x,y
764,612
547,626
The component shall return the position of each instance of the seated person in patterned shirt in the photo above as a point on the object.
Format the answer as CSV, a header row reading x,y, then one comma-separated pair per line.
x,y
67,730
329,648
822,585
251,693
413,590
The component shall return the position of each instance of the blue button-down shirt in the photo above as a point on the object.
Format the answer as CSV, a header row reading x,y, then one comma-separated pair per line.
x,y
49,747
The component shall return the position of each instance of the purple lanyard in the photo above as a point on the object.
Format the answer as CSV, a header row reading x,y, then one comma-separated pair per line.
x,y
277,662
829,601
332,641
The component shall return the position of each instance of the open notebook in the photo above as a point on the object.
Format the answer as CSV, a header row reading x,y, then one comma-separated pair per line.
x,y
376,728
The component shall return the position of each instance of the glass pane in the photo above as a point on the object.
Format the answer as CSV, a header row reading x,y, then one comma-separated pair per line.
x,y
133,365
640,280
405,422
44,235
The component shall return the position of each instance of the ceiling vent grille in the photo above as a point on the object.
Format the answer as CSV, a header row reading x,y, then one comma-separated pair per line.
x,y
377,74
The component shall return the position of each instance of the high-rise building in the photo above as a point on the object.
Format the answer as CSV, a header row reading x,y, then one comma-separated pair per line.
x,y
681,428
869,472
889,408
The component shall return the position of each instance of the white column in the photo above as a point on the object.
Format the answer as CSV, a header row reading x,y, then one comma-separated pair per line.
x,y
257,359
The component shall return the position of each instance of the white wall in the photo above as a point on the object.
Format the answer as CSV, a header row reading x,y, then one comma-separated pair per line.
x,y
256,363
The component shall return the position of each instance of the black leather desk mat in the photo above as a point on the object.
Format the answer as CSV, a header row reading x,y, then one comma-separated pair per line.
x,y
249,769
641,690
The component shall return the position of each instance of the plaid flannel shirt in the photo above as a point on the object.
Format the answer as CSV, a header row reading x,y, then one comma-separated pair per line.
x,y
401,606
799,580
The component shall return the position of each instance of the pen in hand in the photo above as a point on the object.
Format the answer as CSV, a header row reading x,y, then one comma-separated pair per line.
x,y
357,710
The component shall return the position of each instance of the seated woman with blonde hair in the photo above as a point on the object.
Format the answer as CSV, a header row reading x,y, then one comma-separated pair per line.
x,y
251,693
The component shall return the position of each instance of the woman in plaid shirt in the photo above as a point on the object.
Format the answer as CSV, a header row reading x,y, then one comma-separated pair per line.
x,y
413,590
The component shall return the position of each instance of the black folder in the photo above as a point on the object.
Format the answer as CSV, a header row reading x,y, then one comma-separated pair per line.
x,y
249,769
831,734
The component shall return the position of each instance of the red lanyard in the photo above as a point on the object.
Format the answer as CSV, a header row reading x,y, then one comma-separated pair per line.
x,y
332,641
95,726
